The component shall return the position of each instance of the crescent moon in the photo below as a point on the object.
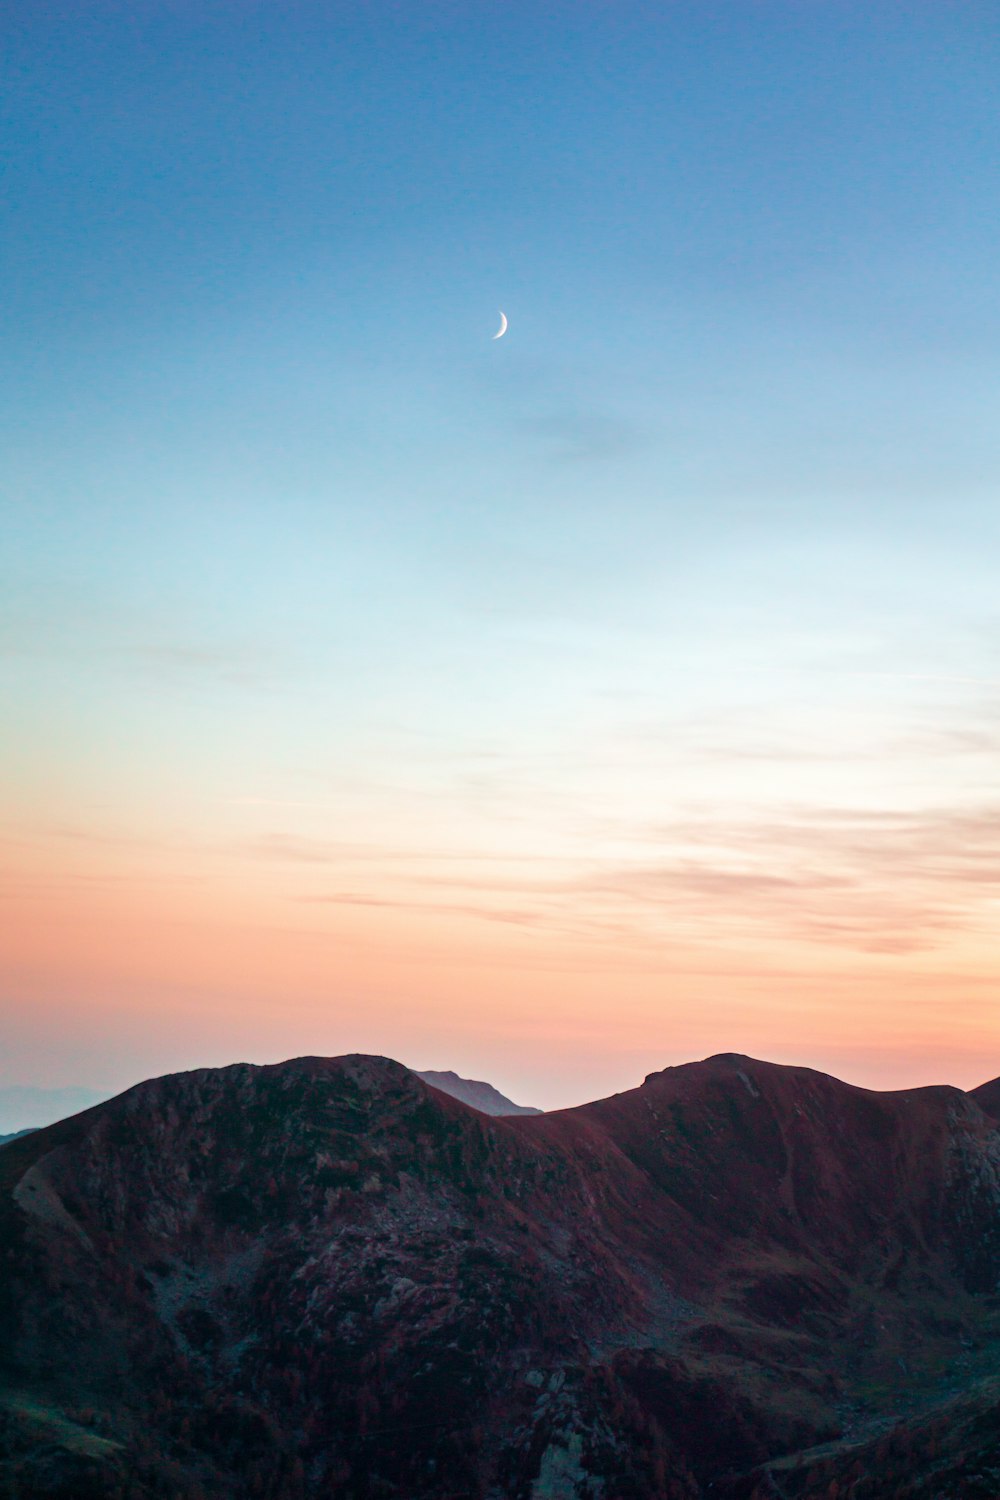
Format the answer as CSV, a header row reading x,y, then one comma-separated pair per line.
x,y
503,326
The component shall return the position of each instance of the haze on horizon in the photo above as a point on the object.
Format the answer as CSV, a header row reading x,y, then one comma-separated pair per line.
x,y
551,709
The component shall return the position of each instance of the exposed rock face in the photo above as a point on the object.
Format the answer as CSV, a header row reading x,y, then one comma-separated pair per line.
x,y
482,1096
327,1279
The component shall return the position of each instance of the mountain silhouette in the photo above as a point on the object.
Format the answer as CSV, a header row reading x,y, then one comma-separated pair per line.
x,y
328,1278
482,1096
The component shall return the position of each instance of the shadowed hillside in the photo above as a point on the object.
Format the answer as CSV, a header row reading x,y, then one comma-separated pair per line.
x,y
326,1278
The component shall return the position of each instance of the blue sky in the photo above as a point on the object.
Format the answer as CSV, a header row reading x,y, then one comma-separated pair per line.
x,y
296,548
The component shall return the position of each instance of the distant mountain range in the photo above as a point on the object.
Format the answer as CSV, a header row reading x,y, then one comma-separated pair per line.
x,y
482,1096
22,1103
23,1107
328,1278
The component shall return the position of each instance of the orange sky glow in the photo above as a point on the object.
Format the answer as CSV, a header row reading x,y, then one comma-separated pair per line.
x,y
551,708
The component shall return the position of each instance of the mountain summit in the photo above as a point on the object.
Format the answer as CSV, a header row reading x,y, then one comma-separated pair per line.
x,y
328,1278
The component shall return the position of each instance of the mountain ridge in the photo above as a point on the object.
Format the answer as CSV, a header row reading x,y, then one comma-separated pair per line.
x,y
246,1271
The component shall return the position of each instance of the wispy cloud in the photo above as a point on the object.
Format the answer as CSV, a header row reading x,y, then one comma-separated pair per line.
x,y
68,622
236,665
522,917
883,882
861,880
579,435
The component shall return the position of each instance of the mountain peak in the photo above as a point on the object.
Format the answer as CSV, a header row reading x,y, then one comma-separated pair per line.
x,y
326,1277
473,1091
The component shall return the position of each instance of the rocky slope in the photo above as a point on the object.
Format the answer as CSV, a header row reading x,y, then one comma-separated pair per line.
x,y
327,1278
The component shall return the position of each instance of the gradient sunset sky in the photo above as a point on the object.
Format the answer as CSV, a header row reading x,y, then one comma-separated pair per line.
x,y
552,708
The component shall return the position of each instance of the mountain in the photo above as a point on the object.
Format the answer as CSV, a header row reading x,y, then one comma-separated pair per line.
x,y
14,1135
482,1096
23,1106
327,1278
987,1096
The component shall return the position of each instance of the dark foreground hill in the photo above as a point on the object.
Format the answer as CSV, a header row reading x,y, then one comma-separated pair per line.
x,y
328,1279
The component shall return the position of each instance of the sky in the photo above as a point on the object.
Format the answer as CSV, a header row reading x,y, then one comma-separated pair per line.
x,y
552,708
